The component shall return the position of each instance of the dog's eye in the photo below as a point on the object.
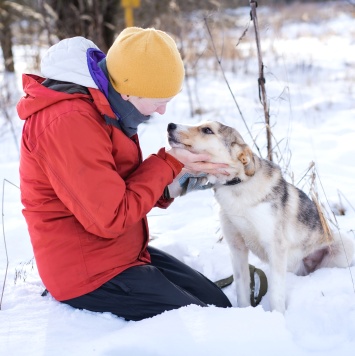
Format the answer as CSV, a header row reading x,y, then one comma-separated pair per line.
x,y
207,130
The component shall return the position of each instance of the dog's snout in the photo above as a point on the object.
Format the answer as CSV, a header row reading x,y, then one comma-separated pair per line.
x,y
172,127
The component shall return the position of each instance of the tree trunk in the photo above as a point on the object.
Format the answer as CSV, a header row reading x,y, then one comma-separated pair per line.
x,y
95,20
6,40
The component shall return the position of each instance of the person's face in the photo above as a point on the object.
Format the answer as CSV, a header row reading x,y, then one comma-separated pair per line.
x,y
147,106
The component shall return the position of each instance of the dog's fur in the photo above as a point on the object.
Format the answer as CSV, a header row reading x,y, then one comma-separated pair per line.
x,y
261,212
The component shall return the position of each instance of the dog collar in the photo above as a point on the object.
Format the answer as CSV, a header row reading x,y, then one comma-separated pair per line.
x,y
233,181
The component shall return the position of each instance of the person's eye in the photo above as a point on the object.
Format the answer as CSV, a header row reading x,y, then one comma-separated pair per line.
x,y
207,131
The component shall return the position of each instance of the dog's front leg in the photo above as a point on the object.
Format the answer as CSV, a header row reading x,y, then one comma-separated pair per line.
x,y
239,258
278,270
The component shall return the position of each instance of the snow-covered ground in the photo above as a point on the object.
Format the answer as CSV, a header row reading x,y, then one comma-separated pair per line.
x,y
310,71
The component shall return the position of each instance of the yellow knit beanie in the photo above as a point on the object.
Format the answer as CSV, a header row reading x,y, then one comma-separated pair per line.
x,y
145,63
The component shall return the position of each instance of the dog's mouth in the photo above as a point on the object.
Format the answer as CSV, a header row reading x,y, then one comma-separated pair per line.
x,y
174,138
174,142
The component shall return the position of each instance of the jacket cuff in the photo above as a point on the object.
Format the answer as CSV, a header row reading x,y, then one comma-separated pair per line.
x,y
175,164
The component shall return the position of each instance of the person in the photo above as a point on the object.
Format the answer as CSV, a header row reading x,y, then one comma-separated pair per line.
x,y
85,188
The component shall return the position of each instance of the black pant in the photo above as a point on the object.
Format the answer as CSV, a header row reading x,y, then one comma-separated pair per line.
x,y
144,291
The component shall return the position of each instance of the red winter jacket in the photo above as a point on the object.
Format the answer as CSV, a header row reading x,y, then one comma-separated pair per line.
x,y
85,189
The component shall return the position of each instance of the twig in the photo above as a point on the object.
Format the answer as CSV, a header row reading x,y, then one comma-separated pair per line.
x,y
338,228
323,220
311,165
261,80
347,200
229,88
3,232
243,34
187,79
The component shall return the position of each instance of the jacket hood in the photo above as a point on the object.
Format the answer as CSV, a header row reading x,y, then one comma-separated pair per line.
x,y
38,97
71,63
67,61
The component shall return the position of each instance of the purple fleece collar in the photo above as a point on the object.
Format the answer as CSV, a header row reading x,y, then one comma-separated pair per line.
x,y
127,116
94,56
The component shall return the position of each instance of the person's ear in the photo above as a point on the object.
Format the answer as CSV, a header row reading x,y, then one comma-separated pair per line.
x,y
125,96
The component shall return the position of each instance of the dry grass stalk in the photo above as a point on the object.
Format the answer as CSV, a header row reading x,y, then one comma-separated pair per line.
x,y
323,219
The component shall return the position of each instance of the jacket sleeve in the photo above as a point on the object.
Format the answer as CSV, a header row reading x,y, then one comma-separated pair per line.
x,y
165,200
75,152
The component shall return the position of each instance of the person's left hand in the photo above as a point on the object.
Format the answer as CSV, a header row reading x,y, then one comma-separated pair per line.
x,y
186,182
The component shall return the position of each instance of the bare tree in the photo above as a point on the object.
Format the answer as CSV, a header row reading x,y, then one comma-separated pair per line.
x,y
95,20
8,97
6,36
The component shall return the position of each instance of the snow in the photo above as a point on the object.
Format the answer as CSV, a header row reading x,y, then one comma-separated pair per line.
x,y
311,86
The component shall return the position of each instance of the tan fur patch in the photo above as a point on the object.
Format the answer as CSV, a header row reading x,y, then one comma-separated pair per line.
x,y
246,157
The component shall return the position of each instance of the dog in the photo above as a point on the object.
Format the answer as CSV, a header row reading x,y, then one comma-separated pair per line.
x,y
261,212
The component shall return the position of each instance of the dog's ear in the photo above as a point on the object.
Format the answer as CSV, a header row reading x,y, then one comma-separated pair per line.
x,y
247,158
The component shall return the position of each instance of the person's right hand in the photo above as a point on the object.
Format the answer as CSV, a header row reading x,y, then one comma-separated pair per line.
x,y
197,162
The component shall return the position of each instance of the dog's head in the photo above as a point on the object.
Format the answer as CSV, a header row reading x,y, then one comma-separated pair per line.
x,y
223,143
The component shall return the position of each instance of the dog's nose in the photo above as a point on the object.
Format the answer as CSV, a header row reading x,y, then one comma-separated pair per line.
x,y
172,126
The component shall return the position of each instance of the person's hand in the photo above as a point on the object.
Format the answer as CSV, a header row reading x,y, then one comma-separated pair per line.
x,y
197,162
187,182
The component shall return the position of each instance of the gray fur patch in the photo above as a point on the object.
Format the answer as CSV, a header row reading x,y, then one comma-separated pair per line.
x,y
281,190
307,212
279,195
230,136
269,168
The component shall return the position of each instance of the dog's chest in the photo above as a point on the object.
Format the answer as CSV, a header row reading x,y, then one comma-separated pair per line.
x,y
243,199
249,215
